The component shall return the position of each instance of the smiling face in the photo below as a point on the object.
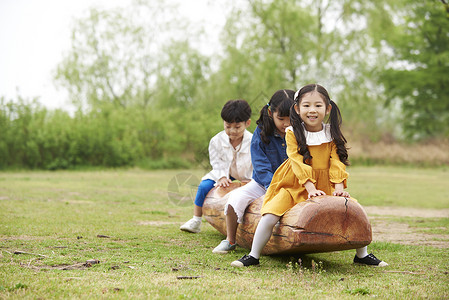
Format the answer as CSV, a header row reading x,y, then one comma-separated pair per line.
x,y
312,110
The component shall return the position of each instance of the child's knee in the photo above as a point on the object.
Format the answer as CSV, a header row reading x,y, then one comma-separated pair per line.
x,y
271,219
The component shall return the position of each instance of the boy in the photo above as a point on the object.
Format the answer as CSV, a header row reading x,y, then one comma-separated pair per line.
x,y
229,154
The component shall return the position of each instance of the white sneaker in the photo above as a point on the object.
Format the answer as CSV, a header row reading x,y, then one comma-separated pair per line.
x,y
192,226
224,247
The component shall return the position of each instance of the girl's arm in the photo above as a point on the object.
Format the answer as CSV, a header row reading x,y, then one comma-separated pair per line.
x,y
337,169
340,190
303,172
338,174
311,189
259,159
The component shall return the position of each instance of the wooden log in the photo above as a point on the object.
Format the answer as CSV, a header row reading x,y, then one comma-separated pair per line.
x,y
323,224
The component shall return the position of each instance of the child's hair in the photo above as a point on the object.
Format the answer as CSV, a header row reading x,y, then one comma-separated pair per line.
x,y
235,111
280,102
334,120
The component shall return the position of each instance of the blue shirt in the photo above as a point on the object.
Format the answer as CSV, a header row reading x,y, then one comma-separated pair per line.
x,y
267,158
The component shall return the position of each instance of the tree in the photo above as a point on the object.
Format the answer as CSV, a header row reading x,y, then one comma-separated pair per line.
x,y
286,44
115,54
417,78
182,70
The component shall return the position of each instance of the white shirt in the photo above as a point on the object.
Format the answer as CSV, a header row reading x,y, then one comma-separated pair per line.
x,y
222,155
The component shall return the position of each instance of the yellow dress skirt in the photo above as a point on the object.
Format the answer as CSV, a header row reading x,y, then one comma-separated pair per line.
x,y
287,186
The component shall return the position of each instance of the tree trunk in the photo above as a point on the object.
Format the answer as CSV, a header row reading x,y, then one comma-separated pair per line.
x,y
324,224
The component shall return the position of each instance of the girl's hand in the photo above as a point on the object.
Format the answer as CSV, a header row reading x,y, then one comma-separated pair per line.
x,y
311,189
341,193
340,190
223,182
316,193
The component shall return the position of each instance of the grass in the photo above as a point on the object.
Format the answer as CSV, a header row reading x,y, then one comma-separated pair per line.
x,y
400,186
426,225
127,220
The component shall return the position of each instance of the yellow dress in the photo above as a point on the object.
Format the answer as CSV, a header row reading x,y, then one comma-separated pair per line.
x,y
287,186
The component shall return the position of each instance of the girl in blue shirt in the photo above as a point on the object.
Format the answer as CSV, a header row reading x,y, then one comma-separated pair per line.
x,y
268,152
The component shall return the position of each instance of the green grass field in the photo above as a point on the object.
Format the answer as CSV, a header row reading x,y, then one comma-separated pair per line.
x,y
51,223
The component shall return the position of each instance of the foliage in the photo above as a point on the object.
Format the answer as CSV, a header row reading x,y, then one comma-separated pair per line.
x,y
291,43
416,79
145,93
116,56
354,49
34,137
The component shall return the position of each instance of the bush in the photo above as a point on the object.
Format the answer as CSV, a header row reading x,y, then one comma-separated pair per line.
x,y
33,137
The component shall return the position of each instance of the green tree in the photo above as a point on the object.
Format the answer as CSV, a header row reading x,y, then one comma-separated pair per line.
x,y
417,78
182,71
115,54
137,60
286,44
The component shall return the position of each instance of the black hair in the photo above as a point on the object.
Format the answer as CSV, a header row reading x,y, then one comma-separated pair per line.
x,y
235,111
334,120
280,102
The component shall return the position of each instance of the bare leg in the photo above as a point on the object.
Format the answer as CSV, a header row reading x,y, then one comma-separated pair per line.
x,y
197,211
231,225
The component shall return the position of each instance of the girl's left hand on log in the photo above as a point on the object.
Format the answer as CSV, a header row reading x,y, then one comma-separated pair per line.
x,y
341,193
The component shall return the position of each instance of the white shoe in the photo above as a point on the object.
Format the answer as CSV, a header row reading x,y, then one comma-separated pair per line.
x,y
224,247
192,226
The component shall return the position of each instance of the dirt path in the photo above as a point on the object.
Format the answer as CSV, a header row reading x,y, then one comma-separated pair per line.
x,y
387,230
406,212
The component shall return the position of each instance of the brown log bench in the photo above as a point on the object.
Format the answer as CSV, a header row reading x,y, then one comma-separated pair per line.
x,y
323,224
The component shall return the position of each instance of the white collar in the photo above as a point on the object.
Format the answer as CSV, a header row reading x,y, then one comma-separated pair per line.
x,y
246,140
317,138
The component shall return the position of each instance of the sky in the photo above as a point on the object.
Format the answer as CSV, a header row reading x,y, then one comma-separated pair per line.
x,y
34,35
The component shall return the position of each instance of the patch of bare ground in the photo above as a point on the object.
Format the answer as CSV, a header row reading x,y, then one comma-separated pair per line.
x,y
76,266
387,230
406,212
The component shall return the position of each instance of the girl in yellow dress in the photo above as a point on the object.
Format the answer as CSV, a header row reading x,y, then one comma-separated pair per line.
x,y
316,166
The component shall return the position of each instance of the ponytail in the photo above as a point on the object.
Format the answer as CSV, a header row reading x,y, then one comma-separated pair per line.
x,y
280,102
266,124
335,121
298,130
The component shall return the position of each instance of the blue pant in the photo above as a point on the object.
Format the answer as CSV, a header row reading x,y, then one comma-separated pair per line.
x,y
204,188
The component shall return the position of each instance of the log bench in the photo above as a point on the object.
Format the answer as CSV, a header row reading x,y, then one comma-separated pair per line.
x,y
323,224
